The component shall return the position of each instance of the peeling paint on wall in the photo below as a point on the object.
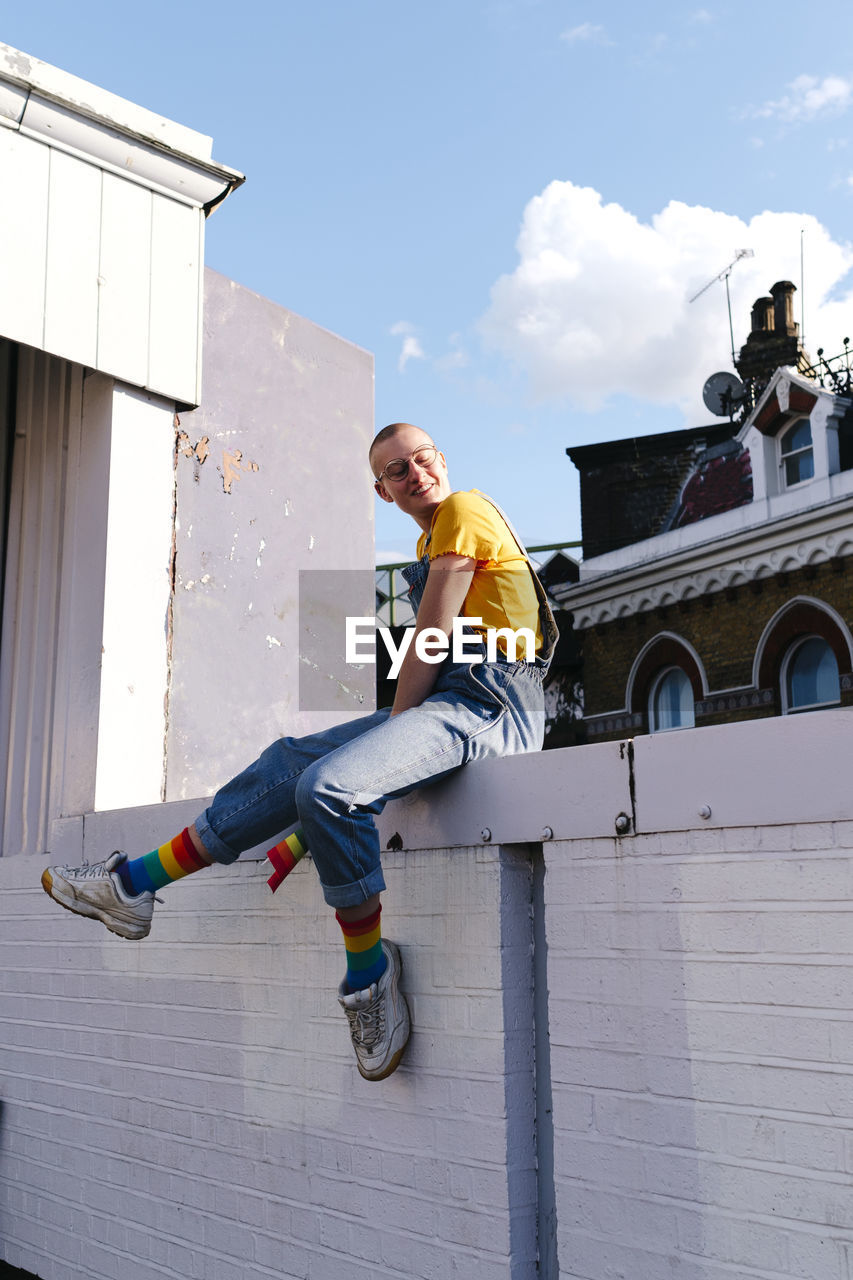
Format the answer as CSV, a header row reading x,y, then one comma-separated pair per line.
x,y
232,467
197,452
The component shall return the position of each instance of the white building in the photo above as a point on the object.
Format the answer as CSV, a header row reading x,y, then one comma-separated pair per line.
x,y
151,580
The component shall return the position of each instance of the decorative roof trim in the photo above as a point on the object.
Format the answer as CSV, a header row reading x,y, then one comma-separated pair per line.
x,y
787,392
808,538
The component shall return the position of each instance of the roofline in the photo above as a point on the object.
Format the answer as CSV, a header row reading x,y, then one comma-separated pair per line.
x,y
646,443
70,114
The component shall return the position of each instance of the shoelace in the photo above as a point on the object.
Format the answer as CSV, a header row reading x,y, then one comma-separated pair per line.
x,y
89,870
368,1024
93,870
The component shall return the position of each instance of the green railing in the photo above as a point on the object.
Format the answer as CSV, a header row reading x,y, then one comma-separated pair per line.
x,y
392,593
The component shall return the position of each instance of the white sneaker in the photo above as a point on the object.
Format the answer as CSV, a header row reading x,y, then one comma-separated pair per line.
x,y
96,890
378,1017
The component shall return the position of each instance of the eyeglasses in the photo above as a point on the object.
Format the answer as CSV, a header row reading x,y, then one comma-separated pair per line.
x,y
398,468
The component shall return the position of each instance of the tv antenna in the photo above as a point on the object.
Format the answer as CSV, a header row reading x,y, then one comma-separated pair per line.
x,y
724,275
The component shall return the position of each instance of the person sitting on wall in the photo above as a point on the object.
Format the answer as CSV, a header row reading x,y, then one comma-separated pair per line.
x,y
470,564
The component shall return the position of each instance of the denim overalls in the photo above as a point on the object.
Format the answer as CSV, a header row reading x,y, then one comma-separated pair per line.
x,y
333,782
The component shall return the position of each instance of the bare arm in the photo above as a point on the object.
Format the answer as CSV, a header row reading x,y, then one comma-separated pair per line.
x,y
444,595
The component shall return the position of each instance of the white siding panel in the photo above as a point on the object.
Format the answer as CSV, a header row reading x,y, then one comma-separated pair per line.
x,y
81,603
71,295
98,269
24,167
47,418
123,316
176,262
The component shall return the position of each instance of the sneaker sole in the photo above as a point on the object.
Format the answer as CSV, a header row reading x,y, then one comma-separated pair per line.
x,y
395,1061
78,908
389,1070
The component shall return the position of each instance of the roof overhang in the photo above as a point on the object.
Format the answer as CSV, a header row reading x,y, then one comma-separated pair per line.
x,y
69,114
787,393
760,550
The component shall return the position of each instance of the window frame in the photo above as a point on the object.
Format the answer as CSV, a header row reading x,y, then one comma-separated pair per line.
x,y
654,687
790,654
783,457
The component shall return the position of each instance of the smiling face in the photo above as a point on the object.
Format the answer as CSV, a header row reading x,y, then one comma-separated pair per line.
x,y
422,488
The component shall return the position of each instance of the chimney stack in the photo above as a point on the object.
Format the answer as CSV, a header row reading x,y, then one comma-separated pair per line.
x,y
775,337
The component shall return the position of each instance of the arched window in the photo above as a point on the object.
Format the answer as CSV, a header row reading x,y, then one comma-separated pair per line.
x,y
810,676
797,457
671,701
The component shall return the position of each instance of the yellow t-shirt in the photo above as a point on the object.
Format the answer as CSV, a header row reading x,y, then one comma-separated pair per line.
x,y
502,591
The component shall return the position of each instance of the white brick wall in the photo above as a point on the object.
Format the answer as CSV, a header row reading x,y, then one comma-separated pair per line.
x,y
188,1107
701,988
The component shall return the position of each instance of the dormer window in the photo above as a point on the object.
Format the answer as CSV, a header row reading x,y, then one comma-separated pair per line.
x,y
797,455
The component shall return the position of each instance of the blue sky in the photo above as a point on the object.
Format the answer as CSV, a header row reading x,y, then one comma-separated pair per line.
x,y
509,202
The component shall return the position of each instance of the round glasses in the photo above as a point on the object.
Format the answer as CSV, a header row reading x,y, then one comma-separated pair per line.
x,y
398,468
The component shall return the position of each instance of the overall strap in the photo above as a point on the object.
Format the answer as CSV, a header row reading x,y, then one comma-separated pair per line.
x,y
550,631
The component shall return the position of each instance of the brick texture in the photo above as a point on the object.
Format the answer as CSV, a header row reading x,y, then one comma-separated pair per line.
x,y
702,1055
724,628
630,487
189,1106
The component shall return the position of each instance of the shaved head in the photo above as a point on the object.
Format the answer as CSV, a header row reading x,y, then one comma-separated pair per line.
x,y
393,429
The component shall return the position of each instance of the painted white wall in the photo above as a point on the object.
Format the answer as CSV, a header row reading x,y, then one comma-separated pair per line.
x,y
271,479
137,590
693,1020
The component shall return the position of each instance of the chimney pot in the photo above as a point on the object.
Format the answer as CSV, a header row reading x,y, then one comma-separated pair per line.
x,y
763,314
783,304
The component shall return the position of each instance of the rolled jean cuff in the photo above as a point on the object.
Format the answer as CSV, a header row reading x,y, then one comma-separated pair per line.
x,y
351,895
218,849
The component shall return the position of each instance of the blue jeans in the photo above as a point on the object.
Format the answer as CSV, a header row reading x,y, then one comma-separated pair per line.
x,y
333,782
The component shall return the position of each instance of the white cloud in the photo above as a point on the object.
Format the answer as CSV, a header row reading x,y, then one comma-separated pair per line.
x,y
598,305
701,15
808,97
456,358
587,32
411,348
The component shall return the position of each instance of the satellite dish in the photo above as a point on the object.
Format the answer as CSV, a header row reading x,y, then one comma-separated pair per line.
x,y
721,393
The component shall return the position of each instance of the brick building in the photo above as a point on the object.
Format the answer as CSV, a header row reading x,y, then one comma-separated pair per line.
x,y
717,582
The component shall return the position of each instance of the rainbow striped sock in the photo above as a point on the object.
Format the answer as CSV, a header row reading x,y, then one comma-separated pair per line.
x,y
172,861
285,855
366,961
